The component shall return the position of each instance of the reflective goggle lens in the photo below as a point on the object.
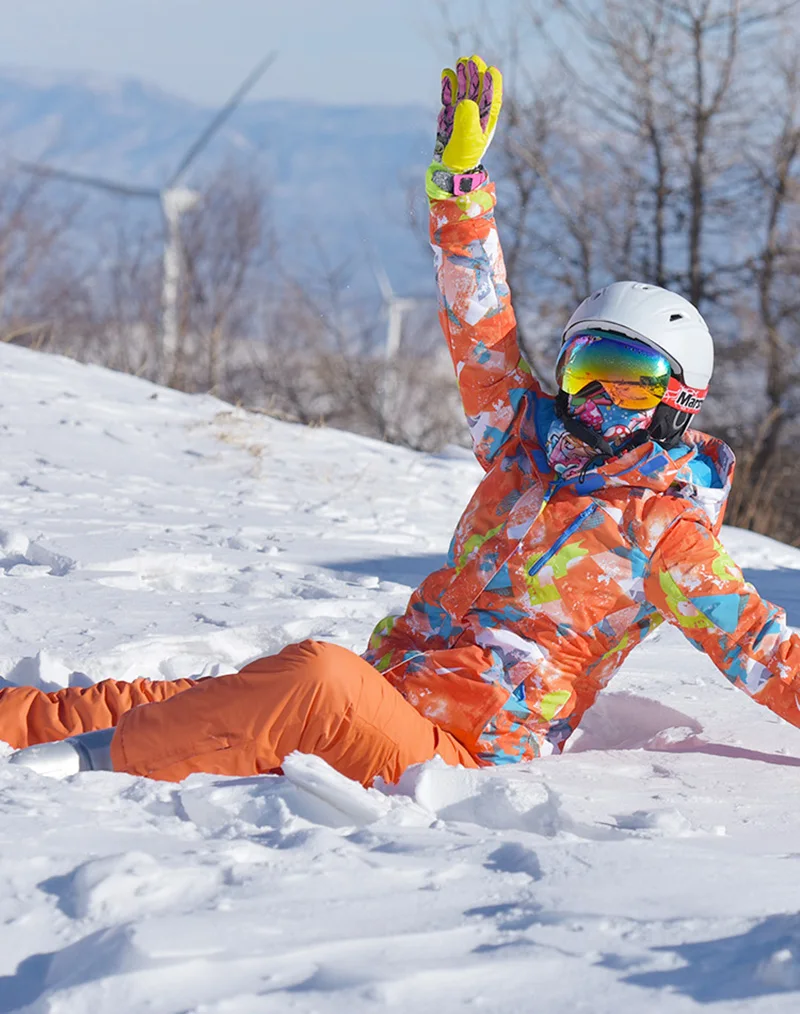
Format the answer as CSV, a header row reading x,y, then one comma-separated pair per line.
x,y
633,375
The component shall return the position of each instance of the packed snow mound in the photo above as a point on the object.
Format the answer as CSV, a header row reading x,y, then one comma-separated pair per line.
x,y
148,532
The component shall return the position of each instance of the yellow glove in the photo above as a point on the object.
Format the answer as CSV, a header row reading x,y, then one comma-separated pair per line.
x,y
471,99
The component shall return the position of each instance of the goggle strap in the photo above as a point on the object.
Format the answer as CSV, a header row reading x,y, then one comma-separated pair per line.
x,y
684,398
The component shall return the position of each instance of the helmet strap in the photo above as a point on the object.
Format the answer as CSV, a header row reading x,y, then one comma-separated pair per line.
x,y
668,426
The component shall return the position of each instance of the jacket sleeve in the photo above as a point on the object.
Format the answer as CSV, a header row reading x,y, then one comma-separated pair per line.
x,y
695,584
29,716
477,319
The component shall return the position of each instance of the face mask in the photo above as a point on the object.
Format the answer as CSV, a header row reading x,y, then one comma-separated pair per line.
x,y
600,414
567,454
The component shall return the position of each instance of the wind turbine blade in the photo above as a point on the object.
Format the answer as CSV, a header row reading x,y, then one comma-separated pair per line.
x,y
255,75
48,172
384,284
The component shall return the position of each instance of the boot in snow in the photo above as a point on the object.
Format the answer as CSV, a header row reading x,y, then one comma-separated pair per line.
x,y
91,751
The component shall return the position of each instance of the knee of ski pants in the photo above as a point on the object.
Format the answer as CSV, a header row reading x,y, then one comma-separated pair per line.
x,y
331,674
247,722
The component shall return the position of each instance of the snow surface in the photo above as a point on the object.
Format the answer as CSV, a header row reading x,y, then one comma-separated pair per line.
x,y
654,867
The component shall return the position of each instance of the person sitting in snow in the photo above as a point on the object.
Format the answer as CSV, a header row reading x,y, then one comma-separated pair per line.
x,y
597,519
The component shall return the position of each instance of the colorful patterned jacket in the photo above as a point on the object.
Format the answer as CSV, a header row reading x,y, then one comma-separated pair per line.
x,y
550,583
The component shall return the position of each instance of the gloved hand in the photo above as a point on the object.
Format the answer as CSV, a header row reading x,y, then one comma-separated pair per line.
x,y
471,99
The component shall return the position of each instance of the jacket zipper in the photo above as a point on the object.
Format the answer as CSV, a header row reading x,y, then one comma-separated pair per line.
x,y
570,530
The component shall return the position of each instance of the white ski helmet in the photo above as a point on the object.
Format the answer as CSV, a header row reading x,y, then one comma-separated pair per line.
x,y
668,322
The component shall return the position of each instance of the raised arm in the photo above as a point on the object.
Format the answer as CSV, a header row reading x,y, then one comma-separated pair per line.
x,y
695,584
474,299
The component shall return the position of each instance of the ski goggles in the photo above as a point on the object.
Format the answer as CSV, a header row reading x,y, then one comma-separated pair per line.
x,y
634,375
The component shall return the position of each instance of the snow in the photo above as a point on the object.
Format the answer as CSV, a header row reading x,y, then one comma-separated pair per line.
x,y
654,867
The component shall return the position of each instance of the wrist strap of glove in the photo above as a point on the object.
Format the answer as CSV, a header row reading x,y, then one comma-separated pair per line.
x,y
456,184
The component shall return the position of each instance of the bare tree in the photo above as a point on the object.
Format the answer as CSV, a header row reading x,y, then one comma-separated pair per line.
x,y
34,237
767,476
226,243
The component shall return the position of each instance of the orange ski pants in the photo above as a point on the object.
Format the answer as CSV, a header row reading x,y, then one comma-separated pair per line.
x,y
314,697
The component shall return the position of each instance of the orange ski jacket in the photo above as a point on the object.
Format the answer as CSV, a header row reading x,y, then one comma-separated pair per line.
x,y
550,583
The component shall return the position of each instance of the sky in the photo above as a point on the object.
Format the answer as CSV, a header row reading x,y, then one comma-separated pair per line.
x,y
351,51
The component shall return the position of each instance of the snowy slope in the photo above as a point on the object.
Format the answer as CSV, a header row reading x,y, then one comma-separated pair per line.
x,y
653,868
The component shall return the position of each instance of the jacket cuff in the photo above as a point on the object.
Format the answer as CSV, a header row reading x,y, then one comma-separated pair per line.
x,y
442,184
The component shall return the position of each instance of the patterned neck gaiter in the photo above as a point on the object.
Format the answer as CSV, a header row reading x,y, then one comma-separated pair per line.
x,y
568,454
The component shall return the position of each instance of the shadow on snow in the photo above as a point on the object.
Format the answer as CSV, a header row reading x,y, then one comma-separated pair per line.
x,y
764,960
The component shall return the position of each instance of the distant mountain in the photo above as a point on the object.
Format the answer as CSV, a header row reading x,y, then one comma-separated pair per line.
x,y
339,175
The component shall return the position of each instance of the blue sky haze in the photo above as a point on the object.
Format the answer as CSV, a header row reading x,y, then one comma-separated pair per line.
x,y
350,52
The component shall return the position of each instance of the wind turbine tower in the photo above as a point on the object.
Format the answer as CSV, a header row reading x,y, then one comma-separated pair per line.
x,y
396,308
